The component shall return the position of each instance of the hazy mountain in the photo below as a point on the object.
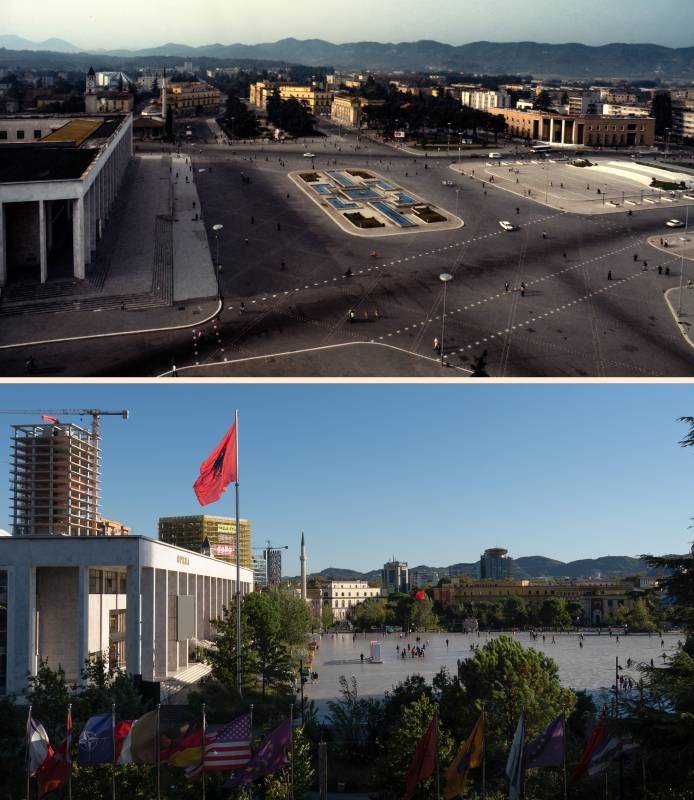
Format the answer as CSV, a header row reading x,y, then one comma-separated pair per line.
x,y
571,60
523,567
12,42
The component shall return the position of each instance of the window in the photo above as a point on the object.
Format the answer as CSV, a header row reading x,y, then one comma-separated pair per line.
x,y
20,134
37,134
3,135
95,583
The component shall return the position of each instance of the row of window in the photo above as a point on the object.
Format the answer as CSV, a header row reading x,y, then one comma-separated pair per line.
x,y
19,135
107,582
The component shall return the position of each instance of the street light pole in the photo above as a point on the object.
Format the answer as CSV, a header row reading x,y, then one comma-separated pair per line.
x,y
444,277
683,239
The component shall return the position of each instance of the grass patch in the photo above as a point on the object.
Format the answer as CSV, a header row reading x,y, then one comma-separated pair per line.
x,y
669,186
582,162
429,215
310,177
688,165
360,221
359,173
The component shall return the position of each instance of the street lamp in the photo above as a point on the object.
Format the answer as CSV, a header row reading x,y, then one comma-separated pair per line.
x,y
457,195
448,146
684,240
444,277
217,228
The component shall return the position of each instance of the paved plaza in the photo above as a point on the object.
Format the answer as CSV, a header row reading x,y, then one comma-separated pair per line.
x,y
565,295
591,667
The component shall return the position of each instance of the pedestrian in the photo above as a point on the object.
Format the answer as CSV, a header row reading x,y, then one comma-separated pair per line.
x,y
348,272
351,316
564,255
377,314
609,274
29,365
252,220
193,203
242,308
661,241
522,290
660,269
279,227
645,264
517,210
636,256
174,371
245,240
667,271
544,235
282,266
437,345
366,315
506,285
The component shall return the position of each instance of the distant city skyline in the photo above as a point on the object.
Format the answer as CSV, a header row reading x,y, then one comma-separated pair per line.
x,y
428,474
91,26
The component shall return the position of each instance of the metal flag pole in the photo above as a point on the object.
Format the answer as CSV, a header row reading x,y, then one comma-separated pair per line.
x,y
68,753
113,759
566,789
28,753
204,733
238,567
438,770
158,745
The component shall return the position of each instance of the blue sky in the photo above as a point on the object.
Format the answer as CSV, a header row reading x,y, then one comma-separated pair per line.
x,y
133,24
429,474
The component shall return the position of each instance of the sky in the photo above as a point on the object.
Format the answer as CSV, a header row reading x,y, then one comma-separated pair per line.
x,y
130,23
429,474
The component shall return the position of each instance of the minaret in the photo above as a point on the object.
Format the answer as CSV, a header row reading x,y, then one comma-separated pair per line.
x,y
303,567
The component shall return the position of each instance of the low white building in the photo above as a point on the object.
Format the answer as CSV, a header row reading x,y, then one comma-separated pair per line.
x,y
143,602
482,100
343,596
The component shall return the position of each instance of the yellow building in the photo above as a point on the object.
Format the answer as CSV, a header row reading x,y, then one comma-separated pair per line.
x,y
191,532
584,130
346,110
190,97
599,599
259,93
316,100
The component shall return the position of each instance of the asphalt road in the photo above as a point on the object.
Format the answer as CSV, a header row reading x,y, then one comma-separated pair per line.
x,y
572,321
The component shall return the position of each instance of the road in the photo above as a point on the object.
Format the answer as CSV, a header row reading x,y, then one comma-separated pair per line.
x,y
290,276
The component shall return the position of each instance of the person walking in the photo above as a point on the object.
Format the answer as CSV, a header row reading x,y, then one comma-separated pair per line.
x,y
667,271
609,274
506,285
242,308
660,269
351,316
437,345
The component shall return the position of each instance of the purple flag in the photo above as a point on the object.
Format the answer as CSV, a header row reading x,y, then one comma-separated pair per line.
x,y
271,757
547,748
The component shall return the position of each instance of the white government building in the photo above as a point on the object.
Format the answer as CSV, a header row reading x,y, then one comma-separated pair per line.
x,y
143,602
343,596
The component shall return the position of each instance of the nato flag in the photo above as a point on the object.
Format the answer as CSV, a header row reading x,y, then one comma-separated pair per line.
x,y
96,741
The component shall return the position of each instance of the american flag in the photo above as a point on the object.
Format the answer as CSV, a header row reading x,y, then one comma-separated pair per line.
x,y
227,749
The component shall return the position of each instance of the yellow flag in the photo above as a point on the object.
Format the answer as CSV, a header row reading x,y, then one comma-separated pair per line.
x,y
469,756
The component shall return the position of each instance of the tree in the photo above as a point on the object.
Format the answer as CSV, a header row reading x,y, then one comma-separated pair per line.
x,y
422,615
103,687
553,613
49,695
515,611
543,101
369,614
271,657
639,618
399,747
327,618
295,619
301,762
353,718
575,610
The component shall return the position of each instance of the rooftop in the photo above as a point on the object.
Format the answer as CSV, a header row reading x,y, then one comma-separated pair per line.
x,y
38,162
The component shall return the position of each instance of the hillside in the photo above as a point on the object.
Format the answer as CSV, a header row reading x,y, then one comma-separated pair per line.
x,y
570,60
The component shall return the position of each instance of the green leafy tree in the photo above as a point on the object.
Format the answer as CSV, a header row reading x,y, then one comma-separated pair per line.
x,y
295,619
104,687
399,747
369,614
639,618
543,101
553,613
353,719
575,610
270,651
301,759
422,616
327,617
515,611
49,695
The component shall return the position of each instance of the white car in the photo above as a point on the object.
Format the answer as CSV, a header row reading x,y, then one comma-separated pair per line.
x,y
447,183
508,226
309,155
675,223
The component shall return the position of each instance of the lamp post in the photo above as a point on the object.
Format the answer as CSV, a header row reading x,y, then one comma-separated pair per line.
x,y
448,146
457,195
444,277
684,240
217,228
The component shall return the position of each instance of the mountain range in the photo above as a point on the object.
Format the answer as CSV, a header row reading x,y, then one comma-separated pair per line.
x,y
570,60
523,568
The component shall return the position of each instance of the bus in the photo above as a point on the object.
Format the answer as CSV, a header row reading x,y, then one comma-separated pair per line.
x,y
541,148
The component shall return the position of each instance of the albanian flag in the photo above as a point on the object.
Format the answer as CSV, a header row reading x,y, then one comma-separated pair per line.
x,y
218,471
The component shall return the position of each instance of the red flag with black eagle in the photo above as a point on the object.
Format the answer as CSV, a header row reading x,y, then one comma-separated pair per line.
x,y
218,471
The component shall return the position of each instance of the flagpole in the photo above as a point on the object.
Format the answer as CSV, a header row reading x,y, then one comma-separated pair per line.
x,y
158,753
28,753
204,731
566,789
484,752
238,566
113,760
68,751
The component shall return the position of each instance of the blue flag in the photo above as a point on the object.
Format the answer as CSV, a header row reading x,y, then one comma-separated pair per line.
x,y
271,757
514,764
96,741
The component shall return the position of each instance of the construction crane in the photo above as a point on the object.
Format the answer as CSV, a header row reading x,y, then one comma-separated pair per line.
x,y
94,413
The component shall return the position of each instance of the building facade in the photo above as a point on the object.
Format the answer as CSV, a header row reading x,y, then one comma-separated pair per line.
x,y
343,596
69,177
55,475
420,578
346,110
396,577
191,97
579,131
599,599
495,564
483,101
190,532
318,101
143,603
274,566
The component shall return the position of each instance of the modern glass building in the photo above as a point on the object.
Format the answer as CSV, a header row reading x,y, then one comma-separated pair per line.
x,y
191,532
495,564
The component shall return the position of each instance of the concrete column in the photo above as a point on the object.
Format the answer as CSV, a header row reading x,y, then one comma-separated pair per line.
x,y
183,644
3,249
160,622
208,607
563,131
87,215
78,238
551,129
133,588
49,224
83,619
147,611
43,248
92,217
